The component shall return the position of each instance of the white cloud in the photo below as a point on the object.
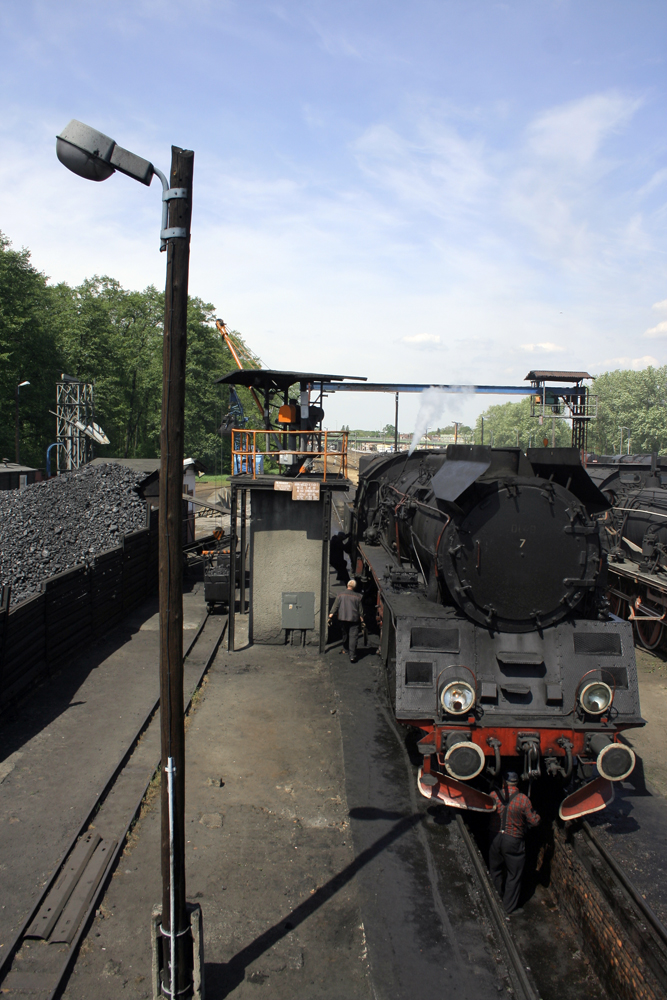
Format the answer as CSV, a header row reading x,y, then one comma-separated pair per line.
x,y
660,306
542,347
436,169
658,331
574,132
637,364
658,178
421,338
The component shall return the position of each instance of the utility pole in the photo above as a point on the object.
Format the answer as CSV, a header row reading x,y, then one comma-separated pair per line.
x,y
456,432
396,426
482,441
177,961
622,428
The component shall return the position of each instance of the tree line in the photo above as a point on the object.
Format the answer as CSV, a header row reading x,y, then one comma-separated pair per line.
x,y
102,333
105,334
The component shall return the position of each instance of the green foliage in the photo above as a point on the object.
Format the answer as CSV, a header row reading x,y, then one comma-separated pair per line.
x,y
27,353
102,333
502,422
465,433
113,338
637,401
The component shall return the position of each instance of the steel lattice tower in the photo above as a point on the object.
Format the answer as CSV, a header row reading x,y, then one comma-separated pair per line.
x,y
74,411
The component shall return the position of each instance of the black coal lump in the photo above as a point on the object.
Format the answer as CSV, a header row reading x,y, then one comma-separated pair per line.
x,y
49,527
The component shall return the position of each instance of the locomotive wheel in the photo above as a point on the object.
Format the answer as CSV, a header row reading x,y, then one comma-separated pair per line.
x,y
617,605
649,633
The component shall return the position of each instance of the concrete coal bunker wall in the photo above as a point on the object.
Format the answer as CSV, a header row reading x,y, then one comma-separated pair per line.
x,y
285,555
606,942
113,570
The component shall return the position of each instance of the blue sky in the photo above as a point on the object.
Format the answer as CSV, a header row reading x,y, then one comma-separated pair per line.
x,y
432,192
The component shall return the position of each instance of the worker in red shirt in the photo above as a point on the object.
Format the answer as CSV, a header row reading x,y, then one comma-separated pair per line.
x,y
507,855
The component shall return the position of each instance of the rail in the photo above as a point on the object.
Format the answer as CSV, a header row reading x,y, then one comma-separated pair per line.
x,y
518,965
294,448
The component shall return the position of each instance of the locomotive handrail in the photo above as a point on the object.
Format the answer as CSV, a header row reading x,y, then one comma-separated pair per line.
x,y
638,510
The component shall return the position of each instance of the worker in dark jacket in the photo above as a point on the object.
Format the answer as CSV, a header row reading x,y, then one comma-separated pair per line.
x,y
348,607
514,814
337,556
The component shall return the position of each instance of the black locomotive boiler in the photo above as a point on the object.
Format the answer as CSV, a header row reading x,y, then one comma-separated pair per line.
x,y
490,576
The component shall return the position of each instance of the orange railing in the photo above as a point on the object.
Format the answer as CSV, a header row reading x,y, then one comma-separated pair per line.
x,y
295,447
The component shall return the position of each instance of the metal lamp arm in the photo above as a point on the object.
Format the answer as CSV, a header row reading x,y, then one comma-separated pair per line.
x,y
167,195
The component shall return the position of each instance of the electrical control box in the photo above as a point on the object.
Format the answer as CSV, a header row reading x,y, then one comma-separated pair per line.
x,y
298,610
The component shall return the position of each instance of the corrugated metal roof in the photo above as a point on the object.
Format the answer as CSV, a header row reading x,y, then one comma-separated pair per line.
x,y
266,378
13,467
552,376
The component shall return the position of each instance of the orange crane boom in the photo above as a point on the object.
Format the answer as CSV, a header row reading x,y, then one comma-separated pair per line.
x,y
236,349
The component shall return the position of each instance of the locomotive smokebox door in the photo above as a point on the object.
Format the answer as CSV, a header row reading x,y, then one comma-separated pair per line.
x,y
299,610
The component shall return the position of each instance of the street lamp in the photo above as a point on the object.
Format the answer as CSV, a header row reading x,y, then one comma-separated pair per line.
x,y
94,156
19,385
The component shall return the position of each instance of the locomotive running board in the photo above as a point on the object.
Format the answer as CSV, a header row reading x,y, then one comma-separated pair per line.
x,y
455,793
591,798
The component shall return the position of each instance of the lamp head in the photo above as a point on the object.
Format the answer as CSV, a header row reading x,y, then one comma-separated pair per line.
x,y
23,383
95,156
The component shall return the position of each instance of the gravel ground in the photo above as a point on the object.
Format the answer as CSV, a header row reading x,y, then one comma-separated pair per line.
x,y
48,527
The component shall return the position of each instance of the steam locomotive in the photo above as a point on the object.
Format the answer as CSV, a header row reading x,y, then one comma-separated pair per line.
x,y
635,533
489,576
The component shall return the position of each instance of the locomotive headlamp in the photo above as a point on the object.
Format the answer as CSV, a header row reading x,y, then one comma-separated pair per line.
x,y
596,698
457,697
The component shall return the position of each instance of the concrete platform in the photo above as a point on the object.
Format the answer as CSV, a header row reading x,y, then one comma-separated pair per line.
x,y
61,743
318,872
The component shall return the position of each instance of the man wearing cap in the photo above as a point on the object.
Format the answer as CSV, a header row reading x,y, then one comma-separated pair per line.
x,y
348,607
507,855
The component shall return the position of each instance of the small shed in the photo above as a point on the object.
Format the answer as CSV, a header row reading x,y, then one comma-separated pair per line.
x,y
16,477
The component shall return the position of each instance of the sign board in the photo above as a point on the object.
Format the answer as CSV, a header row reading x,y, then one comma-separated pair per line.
x,y
282,485
302,490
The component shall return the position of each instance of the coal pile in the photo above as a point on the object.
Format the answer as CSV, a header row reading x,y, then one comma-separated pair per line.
x,y
48,527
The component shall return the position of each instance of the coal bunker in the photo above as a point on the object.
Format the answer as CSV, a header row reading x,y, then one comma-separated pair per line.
x,y
48,527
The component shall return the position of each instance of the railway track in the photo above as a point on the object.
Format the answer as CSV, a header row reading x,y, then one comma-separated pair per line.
x,y
522,982
520,973
632,922
41,955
